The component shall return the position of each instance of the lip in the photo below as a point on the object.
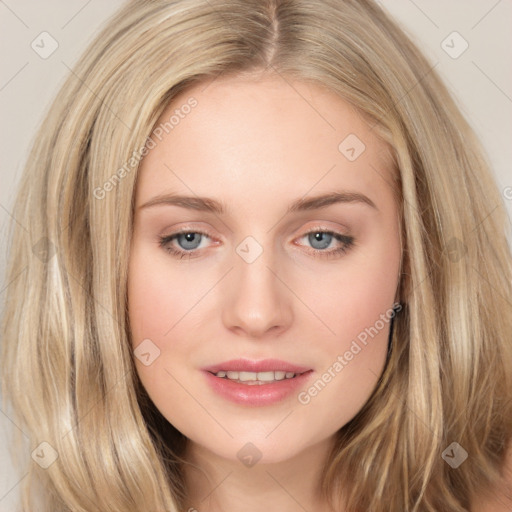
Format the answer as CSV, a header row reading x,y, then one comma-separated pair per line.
x,y
256,395
248,365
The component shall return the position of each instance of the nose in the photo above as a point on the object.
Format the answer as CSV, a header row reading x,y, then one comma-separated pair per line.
x,y
257,303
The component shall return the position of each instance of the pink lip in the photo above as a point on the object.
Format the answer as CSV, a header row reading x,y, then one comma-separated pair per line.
x,y
247,365
257,394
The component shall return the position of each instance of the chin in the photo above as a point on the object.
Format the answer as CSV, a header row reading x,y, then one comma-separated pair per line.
x,y
256,449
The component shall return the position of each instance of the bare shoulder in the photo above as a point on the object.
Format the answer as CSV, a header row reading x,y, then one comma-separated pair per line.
x,y
501,499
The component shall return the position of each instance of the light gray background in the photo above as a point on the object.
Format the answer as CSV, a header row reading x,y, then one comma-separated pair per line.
x,y
480,78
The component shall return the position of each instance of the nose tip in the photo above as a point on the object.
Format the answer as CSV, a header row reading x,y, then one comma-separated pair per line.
x,y
256,302
257,324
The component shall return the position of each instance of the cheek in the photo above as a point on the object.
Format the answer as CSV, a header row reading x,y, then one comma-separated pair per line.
x,y
157,297
148,308
357,311
351,296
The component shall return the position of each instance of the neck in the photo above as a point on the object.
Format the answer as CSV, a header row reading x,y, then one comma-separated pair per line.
x,y
217,484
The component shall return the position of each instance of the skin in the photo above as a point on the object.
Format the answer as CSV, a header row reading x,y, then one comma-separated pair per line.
x,y
257,146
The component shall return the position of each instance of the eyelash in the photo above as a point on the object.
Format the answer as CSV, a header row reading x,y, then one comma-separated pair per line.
x,y
347,243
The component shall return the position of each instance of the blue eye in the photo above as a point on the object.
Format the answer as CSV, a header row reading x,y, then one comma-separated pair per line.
x,y
320,240
188,241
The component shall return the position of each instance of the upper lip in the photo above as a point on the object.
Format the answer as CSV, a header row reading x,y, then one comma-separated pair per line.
x,y
248,365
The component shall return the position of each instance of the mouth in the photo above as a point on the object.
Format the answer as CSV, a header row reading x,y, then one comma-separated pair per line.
x,y
256,383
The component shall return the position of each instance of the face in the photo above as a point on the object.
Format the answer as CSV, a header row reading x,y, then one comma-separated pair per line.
x,y
263,269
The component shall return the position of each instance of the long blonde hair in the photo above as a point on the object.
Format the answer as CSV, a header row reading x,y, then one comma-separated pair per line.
x,y
67,365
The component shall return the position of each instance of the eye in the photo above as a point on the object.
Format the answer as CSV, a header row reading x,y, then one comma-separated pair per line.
x,y
320,239
189,241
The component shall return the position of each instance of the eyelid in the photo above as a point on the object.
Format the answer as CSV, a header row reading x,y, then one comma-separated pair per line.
x,y
189,229
324,229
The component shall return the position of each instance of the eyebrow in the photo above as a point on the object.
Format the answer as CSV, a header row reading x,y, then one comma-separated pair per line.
x,y
207,204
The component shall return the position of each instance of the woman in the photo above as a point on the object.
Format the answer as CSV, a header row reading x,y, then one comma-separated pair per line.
x,y
339,337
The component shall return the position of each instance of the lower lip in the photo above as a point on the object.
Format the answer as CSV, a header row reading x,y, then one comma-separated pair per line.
x,y
257,394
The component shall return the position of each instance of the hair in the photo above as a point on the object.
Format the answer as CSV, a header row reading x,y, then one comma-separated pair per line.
x,y
67,361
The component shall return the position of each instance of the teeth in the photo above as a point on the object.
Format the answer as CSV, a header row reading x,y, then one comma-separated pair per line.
x,y
245,376
263,376
259,377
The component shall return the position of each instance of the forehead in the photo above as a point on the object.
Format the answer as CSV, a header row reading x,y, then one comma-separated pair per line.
x,y
248,138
